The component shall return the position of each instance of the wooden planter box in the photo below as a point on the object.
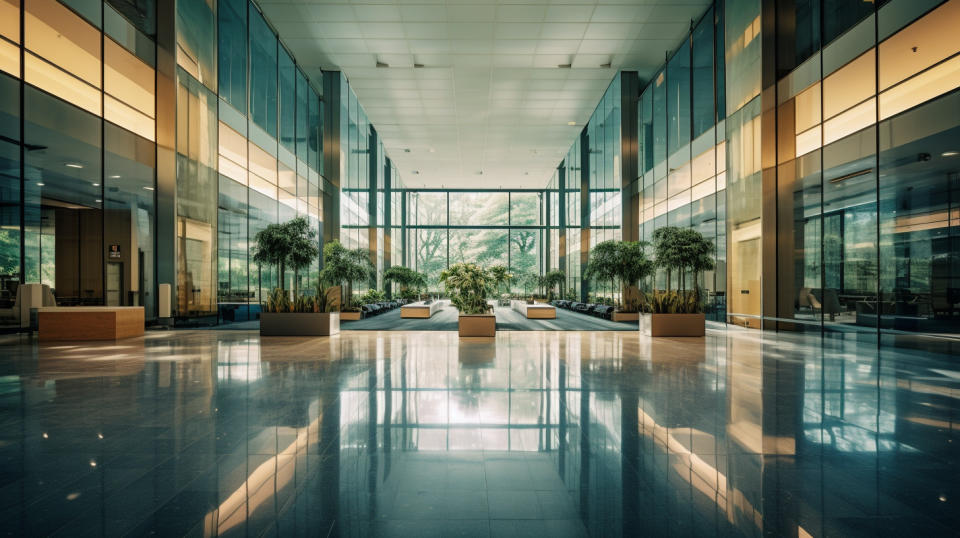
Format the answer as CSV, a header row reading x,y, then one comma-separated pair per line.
x,y
477,325
625,316
673,324
351,316
299,323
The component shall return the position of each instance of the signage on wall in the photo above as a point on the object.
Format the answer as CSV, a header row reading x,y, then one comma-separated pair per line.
x,y
114,251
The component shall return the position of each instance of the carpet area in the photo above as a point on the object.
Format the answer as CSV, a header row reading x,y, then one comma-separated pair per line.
x,y
446,320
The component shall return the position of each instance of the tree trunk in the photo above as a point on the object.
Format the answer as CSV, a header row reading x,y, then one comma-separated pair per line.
x,y
280,283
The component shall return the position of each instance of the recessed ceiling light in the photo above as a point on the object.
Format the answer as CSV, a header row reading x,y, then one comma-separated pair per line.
x,y
148,188
114,177
40,184
98,201
571,123
96,184
950,153
73,165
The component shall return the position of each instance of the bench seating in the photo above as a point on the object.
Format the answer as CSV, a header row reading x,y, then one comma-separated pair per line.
x,y
59,323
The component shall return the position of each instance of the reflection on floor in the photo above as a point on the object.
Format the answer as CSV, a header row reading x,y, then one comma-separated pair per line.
x,y
530,434
446,320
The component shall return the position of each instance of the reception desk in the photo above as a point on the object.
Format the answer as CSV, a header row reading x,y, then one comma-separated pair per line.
x,y
89,322
534,311
420,310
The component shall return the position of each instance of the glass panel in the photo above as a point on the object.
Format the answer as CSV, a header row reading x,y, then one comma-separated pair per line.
x,y
525,208
128,118
484,247
10,58
919,216
197,185
233,291
63,199
472,208
42,74
288,101
233,52
920,45
742,52
678,99
196,40
233,154
129,219
128,79
850,231
645,134
807,29
141,13
743,203
10,237
704,115
64,39
263,211
263,73
840,15
850,85
10,19
302,116
807,108
524,252
659,119
89,9
315,128
923,87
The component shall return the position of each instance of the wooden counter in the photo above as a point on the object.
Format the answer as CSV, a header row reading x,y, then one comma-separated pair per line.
x,y
89,322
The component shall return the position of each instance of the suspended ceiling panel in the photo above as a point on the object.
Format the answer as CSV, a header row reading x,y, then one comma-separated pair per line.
x,y
499,91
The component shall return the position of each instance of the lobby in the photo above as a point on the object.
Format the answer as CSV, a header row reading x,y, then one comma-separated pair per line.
x,y
481,210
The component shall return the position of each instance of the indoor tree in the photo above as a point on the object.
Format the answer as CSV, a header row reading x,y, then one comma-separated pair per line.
x,y
623,262
682,250
552,280
405,277
468,285
343,267
291,244
500,275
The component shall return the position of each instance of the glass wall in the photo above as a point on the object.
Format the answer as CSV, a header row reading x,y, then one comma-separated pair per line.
x,y
501,227
681,150
82,211
867,164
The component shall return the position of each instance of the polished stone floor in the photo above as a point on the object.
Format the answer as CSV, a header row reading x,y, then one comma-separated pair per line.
x,y
543,434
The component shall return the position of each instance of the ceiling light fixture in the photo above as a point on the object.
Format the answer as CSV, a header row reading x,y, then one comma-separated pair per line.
x,y
95,184
571,123
950,153
114,177
148,188
73,165
40,184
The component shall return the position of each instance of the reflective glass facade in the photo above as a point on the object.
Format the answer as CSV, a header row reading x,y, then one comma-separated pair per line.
x,y
826,184
85,151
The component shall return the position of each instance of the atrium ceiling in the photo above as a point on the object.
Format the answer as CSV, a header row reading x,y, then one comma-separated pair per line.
x,y
481,94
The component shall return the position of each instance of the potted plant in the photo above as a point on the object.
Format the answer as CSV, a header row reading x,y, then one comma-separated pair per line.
x,y
500,276
680,311
623,262
410,281
553,280
301,316
342,267
292,244
468,284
